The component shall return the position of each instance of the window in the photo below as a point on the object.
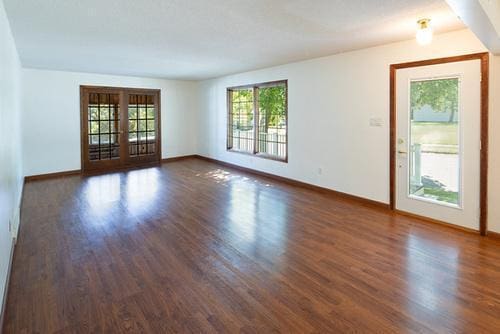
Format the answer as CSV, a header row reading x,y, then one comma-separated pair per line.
x,y
257,120
435,140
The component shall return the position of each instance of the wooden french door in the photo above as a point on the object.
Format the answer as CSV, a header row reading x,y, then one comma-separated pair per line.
x,y
120,127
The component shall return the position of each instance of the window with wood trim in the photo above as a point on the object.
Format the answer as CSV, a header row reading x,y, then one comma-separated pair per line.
x,y
258,120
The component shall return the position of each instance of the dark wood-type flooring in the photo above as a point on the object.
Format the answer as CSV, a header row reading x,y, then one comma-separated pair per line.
x,y
196,247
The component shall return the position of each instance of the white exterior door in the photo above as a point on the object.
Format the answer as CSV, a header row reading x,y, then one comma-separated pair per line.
x,y
438,142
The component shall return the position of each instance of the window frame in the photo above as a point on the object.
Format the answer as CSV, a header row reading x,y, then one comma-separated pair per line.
x,y
255,87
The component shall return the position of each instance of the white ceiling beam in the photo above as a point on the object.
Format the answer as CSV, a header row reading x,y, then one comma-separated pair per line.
x,y
483,19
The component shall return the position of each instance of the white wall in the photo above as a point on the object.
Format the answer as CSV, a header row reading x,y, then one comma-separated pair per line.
x,y
330,102
51,110
10,143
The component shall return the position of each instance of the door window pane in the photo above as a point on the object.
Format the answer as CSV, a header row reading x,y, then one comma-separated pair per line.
x,y
115,146
142,113
132,125
94,113
142,125
104,112
104,127
103,132
114,126
141,120
434,152
132,112
94,127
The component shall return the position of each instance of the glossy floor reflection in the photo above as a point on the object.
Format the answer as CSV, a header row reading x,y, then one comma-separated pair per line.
x,y
196,247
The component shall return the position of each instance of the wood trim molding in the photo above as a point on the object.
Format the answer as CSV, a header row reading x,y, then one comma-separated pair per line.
x,y
483,174
121,168
259,84
484,58
182,157
56,175
48,176
437,61
392,140
327,191
494,235
129,89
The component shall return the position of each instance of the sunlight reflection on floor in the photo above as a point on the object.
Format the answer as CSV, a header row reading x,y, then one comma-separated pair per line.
x,y
141,187
102,193
425,282
137,191
221,176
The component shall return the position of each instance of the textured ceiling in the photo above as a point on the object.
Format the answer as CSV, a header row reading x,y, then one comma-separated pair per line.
x,y
199,39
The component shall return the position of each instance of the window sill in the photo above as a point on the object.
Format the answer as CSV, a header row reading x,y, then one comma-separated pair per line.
x,y
259,155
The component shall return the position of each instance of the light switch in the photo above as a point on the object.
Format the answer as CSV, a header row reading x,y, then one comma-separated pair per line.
x,y
376,121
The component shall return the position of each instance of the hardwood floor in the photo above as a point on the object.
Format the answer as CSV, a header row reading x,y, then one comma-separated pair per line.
x,y
196,247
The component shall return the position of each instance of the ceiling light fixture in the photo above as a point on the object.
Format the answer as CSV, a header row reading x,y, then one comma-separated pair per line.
x,y
424,32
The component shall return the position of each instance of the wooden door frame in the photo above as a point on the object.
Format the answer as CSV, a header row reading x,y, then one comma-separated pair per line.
x,y
123,126
483,183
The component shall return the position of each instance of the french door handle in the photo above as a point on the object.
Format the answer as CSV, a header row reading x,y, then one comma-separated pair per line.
x,y
402,152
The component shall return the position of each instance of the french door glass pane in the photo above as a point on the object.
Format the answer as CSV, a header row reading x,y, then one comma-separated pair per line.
x,y
434,155
103,126
141,120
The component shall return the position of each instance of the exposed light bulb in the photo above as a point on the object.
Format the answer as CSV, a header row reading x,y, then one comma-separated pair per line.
x,y
424,32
